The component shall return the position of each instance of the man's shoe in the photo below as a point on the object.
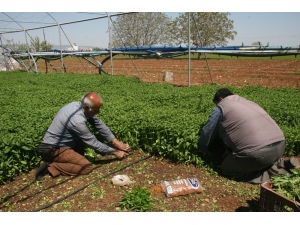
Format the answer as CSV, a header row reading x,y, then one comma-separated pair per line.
x,y
41,171
291,163
274,170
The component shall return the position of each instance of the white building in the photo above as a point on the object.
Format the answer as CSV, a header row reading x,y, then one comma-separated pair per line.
x,y
73,48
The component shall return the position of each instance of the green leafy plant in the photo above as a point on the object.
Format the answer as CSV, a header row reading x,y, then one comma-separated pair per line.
x,y
137,200
90,154
97,193
288,185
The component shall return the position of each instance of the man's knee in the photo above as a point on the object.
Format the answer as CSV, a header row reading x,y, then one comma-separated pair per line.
x,y
85,169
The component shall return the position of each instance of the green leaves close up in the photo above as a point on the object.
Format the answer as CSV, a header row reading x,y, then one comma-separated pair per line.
x,y
137,200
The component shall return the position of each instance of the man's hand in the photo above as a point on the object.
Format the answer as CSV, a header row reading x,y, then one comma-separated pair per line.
x,y
120,145
120,154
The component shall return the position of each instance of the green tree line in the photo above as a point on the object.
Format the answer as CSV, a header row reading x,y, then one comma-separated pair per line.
x,y
156,28
35,45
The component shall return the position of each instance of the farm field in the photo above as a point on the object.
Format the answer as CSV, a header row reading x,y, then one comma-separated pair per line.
x,y
263,71
71,194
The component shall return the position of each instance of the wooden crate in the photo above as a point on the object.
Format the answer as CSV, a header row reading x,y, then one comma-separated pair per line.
x,y
270,201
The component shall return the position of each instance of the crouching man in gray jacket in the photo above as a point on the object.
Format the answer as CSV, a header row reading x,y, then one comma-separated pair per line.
x,y
255,143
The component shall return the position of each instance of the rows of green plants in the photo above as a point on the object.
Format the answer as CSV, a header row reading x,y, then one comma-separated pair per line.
x,y
158,118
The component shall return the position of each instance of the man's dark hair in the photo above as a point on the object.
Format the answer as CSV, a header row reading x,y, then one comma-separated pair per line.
x,y
222,93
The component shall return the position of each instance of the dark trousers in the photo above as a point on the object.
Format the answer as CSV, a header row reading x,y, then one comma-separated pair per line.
x,y
252,166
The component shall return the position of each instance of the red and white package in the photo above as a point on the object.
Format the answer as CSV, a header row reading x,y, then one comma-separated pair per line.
x,y
181,187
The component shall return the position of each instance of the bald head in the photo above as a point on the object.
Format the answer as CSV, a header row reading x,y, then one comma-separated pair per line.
x,y
92,99
91,103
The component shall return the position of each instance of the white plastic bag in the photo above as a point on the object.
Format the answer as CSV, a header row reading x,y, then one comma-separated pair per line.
x,y
120,180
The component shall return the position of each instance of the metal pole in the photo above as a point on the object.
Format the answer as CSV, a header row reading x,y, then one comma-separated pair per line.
x,y
189,54
60,46
111,60
46,64
61,57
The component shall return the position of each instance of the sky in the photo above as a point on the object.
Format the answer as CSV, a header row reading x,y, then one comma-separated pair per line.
x,y
254,22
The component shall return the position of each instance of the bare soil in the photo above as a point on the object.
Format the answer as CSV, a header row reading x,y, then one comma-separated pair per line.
x,y
265,72
95,191
275,72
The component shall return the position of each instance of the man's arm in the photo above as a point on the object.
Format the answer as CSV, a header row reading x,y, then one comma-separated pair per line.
x,y
81,130
210,129
105,132
120,145
101,127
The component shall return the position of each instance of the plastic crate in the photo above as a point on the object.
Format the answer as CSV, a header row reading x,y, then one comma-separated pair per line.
x,y
270,201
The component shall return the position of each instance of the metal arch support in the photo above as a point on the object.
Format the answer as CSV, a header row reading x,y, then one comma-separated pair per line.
x,y
34,63
63,65
148,52
23,30
66,23
99,66
105,59
48,61
28,68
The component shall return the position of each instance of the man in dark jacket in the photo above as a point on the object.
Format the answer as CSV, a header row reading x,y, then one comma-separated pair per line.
x,y
255,144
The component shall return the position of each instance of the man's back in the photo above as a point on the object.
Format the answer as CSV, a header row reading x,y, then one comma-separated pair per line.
x,y
246,126
59,132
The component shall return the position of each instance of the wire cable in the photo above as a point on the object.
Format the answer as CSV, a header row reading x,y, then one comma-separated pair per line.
x,y
94,181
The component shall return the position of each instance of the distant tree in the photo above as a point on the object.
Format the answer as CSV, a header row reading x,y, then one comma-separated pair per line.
x,y
46,46
97,49
206,28
141,29
39,45
36,43
15,46
22,47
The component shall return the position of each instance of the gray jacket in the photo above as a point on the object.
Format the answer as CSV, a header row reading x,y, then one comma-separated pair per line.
x,y
246,126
